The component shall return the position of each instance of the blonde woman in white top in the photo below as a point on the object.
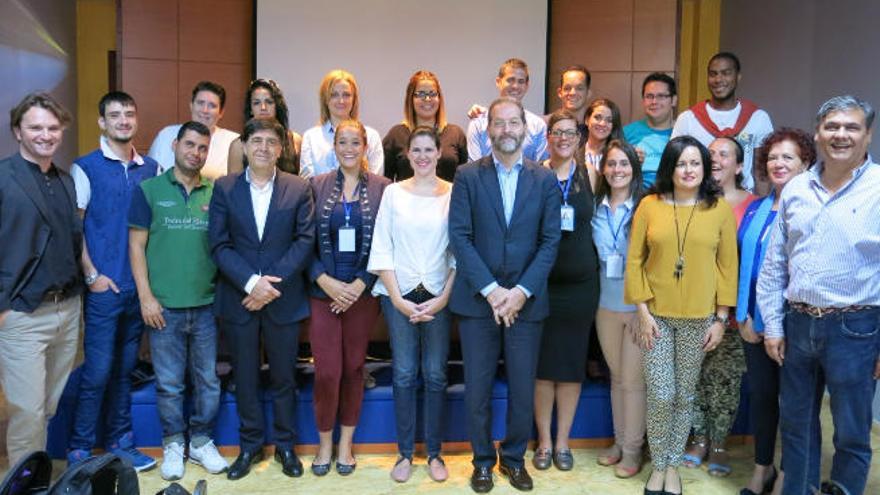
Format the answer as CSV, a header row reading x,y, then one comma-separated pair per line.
x,y
410,254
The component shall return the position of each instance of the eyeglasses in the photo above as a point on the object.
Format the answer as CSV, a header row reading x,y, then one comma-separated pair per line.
x,y
425,95
568,133
657,97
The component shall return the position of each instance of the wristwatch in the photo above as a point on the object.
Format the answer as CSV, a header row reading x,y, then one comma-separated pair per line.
x,y
91,278
717,319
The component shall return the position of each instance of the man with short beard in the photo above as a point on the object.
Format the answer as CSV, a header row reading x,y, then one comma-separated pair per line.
x,y
504,235
725,115
105,179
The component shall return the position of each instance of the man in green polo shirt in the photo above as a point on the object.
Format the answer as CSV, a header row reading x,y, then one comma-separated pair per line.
x,y
172,267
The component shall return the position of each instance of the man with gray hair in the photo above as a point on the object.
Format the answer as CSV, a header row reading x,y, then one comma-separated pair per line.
x,y
819,292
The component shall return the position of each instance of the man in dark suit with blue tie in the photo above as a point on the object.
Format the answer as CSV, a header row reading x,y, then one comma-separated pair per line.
x,y
262,235
504,232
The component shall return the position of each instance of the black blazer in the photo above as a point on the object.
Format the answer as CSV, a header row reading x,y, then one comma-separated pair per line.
x,y
24,227
488,250
328,189
285,250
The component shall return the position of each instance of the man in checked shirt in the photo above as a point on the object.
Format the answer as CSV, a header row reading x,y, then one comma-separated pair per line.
x,y
819,292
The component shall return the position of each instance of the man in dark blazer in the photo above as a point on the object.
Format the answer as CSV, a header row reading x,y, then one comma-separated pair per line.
x,y
504,231
262,234
40,280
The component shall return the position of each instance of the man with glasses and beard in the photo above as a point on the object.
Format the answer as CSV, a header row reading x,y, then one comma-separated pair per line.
x,y
504,235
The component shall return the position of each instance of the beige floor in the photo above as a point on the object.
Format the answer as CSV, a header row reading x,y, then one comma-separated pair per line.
x,y
371,477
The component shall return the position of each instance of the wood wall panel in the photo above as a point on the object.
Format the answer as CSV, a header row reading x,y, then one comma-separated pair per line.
x,y
221,36
618,41
148,29
654,35
153,85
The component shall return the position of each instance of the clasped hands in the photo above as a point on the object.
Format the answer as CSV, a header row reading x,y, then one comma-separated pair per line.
x,y
342,295
506,304
262,294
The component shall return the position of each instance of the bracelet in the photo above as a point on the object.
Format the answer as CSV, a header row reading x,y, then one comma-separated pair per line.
x,y
92,278
717,319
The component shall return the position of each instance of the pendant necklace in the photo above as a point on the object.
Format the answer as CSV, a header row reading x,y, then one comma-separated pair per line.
x,y
679,240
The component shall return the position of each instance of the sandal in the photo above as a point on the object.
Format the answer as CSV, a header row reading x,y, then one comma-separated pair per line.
x,y
629,466
695,453
609,456
718,462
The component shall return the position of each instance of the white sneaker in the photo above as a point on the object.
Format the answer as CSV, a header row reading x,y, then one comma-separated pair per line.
x,y
172,462
208,457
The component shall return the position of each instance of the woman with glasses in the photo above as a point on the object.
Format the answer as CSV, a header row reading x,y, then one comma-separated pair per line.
x,y
681,271
339,100
264,100
617,197
573,287
343,312
603,125
423,105
411,256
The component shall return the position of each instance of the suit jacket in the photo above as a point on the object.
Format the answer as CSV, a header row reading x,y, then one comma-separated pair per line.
x,y
487,249
24,226
285,250
328,189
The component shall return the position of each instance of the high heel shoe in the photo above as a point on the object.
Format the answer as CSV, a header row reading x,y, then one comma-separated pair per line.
x,y
653,492
768,485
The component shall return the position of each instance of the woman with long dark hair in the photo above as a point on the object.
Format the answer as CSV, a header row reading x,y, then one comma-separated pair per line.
x,y
264,100
681,274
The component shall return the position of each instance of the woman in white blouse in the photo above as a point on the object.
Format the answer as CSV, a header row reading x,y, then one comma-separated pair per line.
x,y
410,254
339,100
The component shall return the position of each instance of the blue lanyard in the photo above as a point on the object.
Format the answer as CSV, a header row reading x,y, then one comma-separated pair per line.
x,y
346,208
615,232
567,184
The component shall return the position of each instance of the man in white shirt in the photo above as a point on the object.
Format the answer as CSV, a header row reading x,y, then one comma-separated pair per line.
x,y
207,107
512,82
725,115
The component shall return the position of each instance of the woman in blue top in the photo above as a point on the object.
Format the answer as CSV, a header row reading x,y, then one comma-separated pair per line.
x,y
617,195
785,154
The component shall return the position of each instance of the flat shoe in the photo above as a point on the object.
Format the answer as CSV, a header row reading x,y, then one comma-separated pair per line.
x,y
345,469
437,470
321,469
609,456
402,470
563,460
542,459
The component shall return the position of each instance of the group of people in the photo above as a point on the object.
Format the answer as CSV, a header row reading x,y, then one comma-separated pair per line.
x,y
699,247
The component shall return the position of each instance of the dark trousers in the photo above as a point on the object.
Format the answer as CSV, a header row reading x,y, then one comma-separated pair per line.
x,y
482,342
280,345
339,346
763,374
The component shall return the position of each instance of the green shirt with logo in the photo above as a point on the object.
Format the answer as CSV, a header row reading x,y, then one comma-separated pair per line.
x,y
178,255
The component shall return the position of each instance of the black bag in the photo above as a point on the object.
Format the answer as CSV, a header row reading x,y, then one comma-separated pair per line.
x,y
30,476
175,489
105,474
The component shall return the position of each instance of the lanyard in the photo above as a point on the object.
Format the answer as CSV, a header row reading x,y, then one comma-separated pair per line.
x,y
567,187
346,208
615,232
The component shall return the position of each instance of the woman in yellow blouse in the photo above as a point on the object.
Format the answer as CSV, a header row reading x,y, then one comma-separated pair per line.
x,y
681,274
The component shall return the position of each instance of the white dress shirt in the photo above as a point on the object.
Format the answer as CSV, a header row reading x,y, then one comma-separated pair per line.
x,y
261,197
317,155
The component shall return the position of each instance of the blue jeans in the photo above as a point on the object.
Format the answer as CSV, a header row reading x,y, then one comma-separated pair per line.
x,y
113,327
411,344
842,350
188,343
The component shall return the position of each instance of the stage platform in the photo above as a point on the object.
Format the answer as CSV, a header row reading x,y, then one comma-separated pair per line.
x,y
593,419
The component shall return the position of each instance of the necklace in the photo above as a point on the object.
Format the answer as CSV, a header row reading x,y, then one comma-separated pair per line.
x,y
679,241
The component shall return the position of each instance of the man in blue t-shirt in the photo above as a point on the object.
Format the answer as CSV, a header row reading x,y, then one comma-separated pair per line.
x,y
650,135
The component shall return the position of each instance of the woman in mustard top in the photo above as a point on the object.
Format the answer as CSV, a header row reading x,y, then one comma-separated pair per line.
x,y
681,273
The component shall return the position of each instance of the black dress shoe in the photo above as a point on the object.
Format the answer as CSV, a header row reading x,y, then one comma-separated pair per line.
x,y
242,465
290,463
481,479
518,476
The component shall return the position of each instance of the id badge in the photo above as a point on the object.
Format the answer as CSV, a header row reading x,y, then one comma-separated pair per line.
x,y
346,239
614,266
567,217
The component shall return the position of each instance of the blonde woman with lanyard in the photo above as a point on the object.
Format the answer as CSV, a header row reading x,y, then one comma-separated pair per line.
x,y
617,197
573,287
603,125
682,279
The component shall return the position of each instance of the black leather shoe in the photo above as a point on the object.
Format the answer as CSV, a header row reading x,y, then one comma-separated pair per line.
x,y
242,465
518,476
831,487
290,463
481,480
